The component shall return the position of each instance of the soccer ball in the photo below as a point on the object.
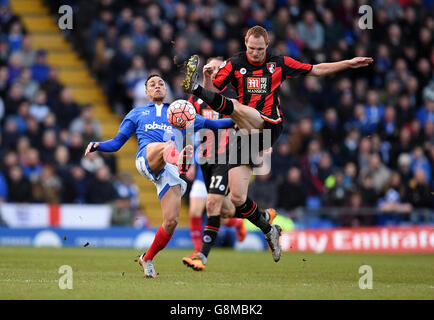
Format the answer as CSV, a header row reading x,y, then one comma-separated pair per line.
x,y
181,114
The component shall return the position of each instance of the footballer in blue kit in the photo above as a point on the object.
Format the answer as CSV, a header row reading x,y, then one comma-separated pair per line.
x,y
158,157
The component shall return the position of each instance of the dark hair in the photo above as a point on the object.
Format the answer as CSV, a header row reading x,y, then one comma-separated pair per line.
x,y
151,76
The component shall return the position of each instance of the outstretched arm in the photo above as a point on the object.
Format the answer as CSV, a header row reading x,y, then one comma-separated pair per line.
x,y
111,145
325,69
126,130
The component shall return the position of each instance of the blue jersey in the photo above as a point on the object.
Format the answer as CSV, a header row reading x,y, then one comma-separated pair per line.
x,y
150,124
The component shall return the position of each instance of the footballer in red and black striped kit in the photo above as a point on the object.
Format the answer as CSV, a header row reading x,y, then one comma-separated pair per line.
x,y
256,77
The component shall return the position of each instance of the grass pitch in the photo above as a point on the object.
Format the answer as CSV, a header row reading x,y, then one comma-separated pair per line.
x,y
32,273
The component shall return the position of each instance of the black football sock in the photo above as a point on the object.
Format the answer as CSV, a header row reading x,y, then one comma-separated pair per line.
x,y
210,233
216,101
250,211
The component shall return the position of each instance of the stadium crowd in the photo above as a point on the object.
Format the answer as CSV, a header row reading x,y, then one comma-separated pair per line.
x,y
356,139
43,134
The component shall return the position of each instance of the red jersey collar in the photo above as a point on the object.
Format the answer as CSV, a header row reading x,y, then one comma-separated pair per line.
x,y
256,64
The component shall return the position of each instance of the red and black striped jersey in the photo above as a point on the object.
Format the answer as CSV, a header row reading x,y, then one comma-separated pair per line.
x,y
258,85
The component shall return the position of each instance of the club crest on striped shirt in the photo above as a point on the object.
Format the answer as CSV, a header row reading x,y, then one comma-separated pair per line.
x,y
271,66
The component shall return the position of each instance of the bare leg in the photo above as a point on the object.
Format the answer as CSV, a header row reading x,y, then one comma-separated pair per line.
x,y
239,179
228,209
246,117
154,155
170,207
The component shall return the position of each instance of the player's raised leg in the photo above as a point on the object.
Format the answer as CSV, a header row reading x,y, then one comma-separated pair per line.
x,y
160,153
245,117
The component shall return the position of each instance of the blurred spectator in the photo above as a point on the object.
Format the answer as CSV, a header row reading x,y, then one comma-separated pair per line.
x,y
28,54
92,163
294,44
352,214
4,84
335,194
420,161
122,212
33,132
264,191
426,113
126,188
100,189
20,189
379,172
404,167
292,192
405,110
333,31
32,166
325,167
39,109
27,83
52,86
49,143
15,36
3,189
66,108
47,187
397,184
141,220
61,161
40,69
119,64
138,34
388,127
136,73
374,110
310,31
280,23
75,147
419,192
13,99
86,118
346,13
332,131
348,149
281,160
309,167
15,66
369,194
391,203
